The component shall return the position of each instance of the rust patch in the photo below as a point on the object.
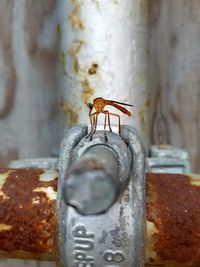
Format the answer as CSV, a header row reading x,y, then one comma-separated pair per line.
x,y
93,69
69,112
87,91
76,65
174,207
74,17
73,52
31,225
77,47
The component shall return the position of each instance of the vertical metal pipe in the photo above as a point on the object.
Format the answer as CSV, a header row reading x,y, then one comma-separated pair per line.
x,y
104,53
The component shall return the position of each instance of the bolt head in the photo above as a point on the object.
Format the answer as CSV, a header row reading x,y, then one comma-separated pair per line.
x,y
90,192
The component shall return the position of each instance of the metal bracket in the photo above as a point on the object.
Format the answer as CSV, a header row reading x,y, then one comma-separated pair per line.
x,y
35,163
115,237
168,159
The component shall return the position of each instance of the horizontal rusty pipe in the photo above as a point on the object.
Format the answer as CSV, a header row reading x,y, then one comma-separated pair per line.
x,y
27,213
173,220
27,217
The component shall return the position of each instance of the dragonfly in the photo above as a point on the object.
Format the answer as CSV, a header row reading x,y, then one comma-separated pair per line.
x,y
99,105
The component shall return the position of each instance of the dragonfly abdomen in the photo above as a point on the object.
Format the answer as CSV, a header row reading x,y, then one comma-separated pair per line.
x,y
122,109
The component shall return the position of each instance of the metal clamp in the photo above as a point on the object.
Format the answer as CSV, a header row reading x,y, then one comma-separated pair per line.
x,y
115,237
168,159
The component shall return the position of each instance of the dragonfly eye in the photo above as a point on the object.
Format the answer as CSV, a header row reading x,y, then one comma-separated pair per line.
x,y
90,106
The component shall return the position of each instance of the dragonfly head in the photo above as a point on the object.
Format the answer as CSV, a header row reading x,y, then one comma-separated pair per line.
x,y
90,106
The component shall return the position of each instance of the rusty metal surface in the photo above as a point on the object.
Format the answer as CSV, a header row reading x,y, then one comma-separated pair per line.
x,y
173,220
27,213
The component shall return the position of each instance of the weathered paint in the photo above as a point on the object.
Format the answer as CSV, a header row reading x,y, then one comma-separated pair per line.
x,y
173,220
27,213
104,54
71,112
74,16
87,91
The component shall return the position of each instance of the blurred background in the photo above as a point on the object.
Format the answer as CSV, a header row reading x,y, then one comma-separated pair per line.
x,y
29,79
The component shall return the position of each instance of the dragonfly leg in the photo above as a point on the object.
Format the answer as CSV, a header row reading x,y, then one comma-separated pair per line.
x,y
95,122
106,112
93,127
119,124
92,122
105,121
105,136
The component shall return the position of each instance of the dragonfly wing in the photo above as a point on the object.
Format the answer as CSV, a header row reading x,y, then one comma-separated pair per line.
x,y
121,103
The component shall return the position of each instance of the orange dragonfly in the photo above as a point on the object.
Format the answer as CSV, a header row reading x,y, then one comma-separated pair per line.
x,y
99,105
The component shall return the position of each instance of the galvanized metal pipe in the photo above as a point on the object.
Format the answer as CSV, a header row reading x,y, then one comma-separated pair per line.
x,y
104,54
27,216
